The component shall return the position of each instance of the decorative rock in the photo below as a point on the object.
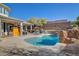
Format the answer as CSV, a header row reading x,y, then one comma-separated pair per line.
x,y
14,51
71,49
76,41
73,39
63,36
69,40
73,33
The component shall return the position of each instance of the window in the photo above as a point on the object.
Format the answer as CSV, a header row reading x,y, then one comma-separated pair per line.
x,y
6,12
3,10
0,9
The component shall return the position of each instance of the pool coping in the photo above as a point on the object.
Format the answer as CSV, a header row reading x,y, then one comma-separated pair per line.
x,y
55,48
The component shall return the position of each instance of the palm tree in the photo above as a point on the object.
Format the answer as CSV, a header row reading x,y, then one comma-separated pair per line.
x,y
41,22
32,20
38,23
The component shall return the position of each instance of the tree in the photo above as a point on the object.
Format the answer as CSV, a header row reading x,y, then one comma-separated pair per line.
x,y
77,21
77,18
41,22
73,24
32,20
37,22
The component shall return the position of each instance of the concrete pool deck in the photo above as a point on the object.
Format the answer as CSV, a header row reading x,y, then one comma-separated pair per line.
x,y
18,42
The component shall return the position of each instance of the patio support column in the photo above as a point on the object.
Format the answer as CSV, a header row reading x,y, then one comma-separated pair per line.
x,y
21,28
26,28
0,28
31,27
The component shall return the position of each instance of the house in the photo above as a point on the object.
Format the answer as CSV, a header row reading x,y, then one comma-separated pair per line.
x,y
10,26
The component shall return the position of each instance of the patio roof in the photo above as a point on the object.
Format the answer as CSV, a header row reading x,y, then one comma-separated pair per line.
x,y
11,19
26,23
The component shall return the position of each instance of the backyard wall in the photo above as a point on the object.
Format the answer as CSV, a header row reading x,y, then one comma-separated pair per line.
x,y
57,25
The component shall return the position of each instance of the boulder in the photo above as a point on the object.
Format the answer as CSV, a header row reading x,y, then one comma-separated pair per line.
x,y
73,33
62,36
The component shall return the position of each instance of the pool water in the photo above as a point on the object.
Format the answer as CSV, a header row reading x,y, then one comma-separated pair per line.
x,y
47,40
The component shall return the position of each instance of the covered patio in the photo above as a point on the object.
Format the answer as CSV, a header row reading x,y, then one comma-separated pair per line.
x,y
12,27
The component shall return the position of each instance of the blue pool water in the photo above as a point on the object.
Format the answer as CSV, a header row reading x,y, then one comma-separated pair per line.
x,y
46,40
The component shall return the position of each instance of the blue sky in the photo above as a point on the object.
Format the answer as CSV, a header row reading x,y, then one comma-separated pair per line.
x,y
50,11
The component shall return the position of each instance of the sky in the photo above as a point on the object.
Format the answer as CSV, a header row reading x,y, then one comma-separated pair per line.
x,y
50,11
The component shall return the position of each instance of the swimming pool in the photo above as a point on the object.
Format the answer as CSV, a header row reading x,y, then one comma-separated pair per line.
x,y
47,40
